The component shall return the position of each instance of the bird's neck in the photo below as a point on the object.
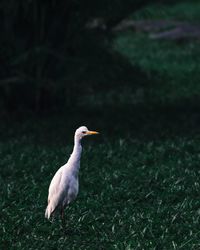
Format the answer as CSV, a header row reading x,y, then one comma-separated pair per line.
x,y
77,150
74,160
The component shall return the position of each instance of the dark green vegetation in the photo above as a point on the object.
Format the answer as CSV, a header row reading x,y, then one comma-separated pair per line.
x,y
47,52
133,195
139,180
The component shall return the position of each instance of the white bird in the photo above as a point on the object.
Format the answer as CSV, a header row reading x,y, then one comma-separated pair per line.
x,y
65,185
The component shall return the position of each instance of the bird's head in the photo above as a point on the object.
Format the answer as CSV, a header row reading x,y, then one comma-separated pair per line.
x,y
83,131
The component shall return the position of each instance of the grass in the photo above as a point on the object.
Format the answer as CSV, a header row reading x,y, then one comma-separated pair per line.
x,y
139,180
179,11
133,195
173,71
172,67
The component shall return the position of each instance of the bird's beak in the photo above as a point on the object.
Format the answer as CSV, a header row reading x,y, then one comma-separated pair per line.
x,y
92,133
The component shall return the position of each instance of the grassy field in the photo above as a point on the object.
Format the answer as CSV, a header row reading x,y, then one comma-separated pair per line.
x,y
132,196
139,180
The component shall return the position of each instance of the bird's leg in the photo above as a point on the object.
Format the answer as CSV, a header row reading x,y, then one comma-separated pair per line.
x,y
64,227
62,214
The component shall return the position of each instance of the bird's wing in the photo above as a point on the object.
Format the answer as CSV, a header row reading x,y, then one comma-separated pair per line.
x,y
54,185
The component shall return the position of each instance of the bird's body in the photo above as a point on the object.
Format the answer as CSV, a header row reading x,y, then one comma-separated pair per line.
x,y
64,186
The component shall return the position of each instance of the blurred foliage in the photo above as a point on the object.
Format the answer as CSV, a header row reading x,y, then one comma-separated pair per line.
x,y
46,49
120,85
48,56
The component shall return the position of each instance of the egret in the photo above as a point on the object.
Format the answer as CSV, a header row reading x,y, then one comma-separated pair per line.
x,y
64,186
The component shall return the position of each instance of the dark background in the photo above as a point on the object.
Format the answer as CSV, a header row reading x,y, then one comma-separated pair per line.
x,y
49,58
56,66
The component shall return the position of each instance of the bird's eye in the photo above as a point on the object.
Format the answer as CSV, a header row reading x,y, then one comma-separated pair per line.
x,y
83,132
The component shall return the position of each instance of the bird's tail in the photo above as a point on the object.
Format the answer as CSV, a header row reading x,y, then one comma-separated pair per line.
x,y
48,212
